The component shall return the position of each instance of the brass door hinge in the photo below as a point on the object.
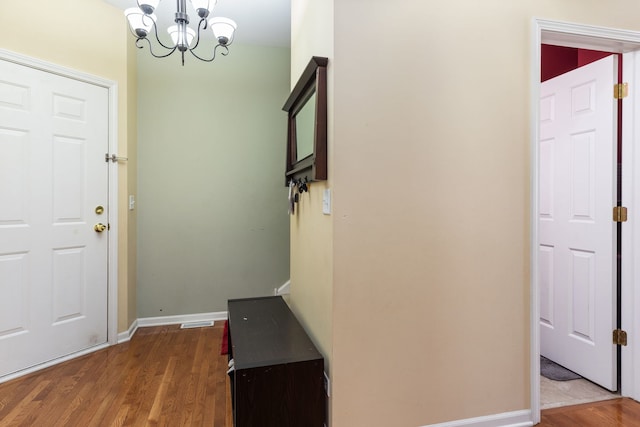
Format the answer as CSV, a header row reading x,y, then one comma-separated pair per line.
x,y
620,90
619,214
619,337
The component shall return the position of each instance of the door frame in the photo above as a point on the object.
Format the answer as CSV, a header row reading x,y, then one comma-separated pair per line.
x,y
112,251
617,41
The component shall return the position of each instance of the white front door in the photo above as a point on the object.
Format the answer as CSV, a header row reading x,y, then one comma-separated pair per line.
x,y
578,117
53,177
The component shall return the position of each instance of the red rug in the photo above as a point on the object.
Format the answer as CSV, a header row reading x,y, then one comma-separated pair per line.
x,y
224,348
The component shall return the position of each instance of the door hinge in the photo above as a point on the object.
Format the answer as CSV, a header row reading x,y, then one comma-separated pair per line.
x,y
620,90
619,337
619,214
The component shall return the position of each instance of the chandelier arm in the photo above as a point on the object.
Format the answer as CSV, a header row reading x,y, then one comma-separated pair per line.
x,y
155,32
198,34
171,50
215,49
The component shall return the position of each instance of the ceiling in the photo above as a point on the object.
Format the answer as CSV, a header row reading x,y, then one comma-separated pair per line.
x,y
260,22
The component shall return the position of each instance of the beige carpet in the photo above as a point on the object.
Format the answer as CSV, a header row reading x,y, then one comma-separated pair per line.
x,y
554,394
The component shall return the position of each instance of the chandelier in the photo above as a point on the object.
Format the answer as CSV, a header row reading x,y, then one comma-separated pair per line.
x,y
142,22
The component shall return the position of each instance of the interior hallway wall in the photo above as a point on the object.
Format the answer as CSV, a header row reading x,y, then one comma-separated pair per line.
x,y
130,305
311,230
429,250
212,205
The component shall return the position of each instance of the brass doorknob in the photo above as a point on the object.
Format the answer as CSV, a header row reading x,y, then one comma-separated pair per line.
x,y
99,227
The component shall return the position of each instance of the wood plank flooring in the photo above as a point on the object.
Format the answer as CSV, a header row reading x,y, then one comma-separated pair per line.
x,y
165,376
607,413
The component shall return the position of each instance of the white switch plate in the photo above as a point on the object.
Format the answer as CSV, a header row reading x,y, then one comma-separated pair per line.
x,y
132,202
326,202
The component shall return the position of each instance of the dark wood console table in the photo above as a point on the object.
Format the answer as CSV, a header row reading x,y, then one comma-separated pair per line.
x,y
279,373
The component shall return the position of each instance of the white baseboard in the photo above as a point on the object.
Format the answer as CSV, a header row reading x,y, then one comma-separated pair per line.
x,y
126,335
168,320
507,419
284,289
183,318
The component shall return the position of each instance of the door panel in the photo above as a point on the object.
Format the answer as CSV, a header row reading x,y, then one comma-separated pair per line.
x,y
53,265
577,235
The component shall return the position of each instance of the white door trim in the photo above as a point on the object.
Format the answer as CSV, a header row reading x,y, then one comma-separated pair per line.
x,y
614,40
112,87
630,237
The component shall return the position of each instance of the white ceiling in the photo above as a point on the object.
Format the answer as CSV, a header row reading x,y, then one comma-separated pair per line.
x,y
260,22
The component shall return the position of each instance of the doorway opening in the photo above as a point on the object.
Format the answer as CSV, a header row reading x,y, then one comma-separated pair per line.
x,y
580,149
616,41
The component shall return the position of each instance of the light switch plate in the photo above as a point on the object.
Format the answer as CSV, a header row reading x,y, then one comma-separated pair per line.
x,y
326,202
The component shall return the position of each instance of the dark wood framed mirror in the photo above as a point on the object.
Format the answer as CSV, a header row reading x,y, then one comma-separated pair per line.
x,y
306,108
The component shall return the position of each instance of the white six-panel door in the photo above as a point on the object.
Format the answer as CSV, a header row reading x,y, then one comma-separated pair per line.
x,y
53,176
577,240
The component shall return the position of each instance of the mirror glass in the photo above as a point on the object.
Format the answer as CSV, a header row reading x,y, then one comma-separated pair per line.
x,y
305,122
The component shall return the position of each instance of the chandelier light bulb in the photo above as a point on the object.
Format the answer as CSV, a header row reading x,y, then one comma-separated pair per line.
x,y
203,7
223,29
182,36
139,22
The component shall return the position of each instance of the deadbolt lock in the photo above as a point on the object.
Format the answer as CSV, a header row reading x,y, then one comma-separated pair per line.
x,y
99,210
99,227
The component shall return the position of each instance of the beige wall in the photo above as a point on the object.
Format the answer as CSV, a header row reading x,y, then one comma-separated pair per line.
x,y
430,272
132,170
429,257
89,36
212,203
311,230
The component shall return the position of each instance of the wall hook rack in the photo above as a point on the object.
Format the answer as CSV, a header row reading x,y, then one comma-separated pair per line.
x,y
302,184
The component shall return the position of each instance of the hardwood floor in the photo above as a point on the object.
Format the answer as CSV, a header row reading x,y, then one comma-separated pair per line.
x,y
608,413
165,376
